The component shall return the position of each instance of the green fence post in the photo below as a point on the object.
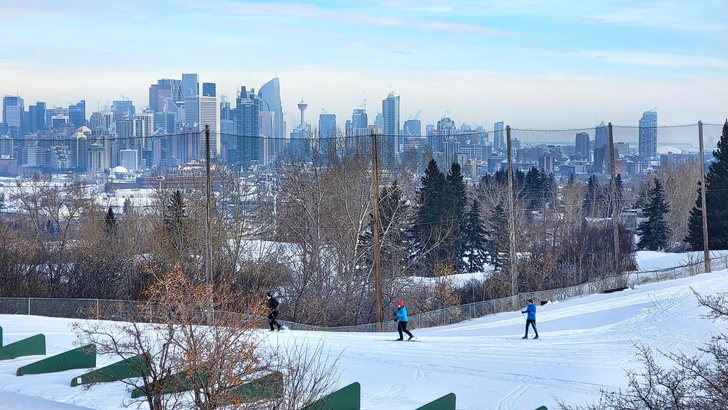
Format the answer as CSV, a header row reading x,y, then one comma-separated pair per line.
x,y
124,369
346,398
80,358
446,402
34,345
1,336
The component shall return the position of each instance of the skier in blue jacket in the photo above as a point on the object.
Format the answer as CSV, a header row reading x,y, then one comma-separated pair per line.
x,y
402,321
531,318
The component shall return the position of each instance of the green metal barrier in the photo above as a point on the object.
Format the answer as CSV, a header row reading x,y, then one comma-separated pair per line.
x,y
266,387
123,369
176,383
542,408
446,402
1,336
83,357
34,345
347,398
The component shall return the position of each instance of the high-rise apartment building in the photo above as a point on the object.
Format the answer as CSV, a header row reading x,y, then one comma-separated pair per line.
x,y
412,128
390,131
648,135
190,86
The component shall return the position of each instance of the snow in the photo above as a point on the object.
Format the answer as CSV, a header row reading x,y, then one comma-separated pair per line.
x,y
585,343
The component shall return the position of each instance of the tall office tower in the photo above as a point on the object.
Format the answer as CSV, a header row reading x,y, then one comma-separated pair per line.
x,y
648,135
175,86
6,146
125,106
412,128
358,134
159,97
208,109
390,112
446,130
601,136
270,95
125,134
190,86
13,116
36,117
327,136
77,114
226,112
582,145
209,90
97,123
267,131
498,137
247,128
379,123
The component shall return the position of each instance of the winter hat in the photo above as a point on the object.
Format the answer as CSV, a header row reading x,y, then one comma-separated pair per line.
x,y
530,300
268,294
400,304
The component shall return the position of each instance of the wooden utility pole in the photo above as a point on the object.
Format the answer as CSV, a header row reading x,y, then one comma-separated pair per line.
x,y
512,220
706,248
615,209
377,262
208,247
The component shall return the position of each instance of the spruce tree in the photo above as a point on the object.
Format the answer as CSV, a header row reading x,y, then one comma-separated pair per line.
x,y
456,197
175,220
429,229
110,221
716,198
475,239
654,232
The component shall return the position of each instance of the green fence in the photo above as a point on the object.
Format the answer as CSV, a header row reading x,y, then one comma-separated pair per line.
x,y
34,345
80,358
346,398
446,402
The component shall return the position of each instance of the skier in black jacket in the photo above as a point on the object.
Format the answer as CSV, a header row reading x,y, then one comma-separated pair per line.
x,y
272,311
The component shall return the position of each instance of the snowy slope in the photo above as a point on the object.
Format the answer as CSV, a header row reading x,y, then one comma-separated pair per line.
x,y
585,342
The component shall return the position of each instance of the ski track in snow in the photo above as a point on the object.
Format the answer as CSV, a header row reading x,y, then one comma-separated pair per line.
x,y
586,343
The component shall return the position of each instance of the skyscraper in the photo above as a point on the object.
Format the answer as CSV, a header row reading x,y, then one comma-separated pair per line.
x,y
210,115
36,114
247,127
498,137
390,131
190,86
582,145
601,136
175,86
125,107
648,135
270,94
13,116
159,97
209,90
327,136
412,128
77,114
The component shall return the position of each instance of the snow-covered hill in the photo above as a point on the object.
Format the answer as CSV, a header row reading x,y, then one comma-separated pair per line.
x,y
585,343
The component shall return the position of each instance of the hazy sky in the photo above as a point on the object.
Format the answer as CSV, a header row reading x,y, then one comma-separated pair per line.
x,y
532,64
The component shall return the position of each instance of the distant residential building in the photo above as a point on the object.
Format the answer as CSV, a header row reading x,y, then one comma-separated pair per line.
x,y
648,135
128,159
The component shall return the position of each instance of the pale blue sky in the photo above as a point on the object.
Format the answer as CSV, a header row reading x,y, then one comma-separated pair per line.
x,y
531,64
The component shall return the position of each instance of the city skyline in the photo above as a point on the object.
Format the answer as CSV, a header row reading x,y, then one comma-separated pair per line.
x,y
564,65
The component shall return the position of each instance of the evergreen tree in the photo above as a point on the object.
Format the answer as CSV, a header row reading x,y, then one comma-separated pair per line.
x,y
430,227
593,199
127,206
456,197
497,243
654,232
716,197
175,220
110,221
475,239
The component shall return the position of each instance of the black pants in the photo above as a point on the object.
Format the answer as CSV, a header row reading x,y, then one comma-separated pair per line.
x,y
402,327
531,322
272,319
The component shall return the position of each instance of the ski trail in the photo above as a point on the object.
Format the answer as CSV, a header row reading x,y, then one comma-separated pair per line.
x,y
511,400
